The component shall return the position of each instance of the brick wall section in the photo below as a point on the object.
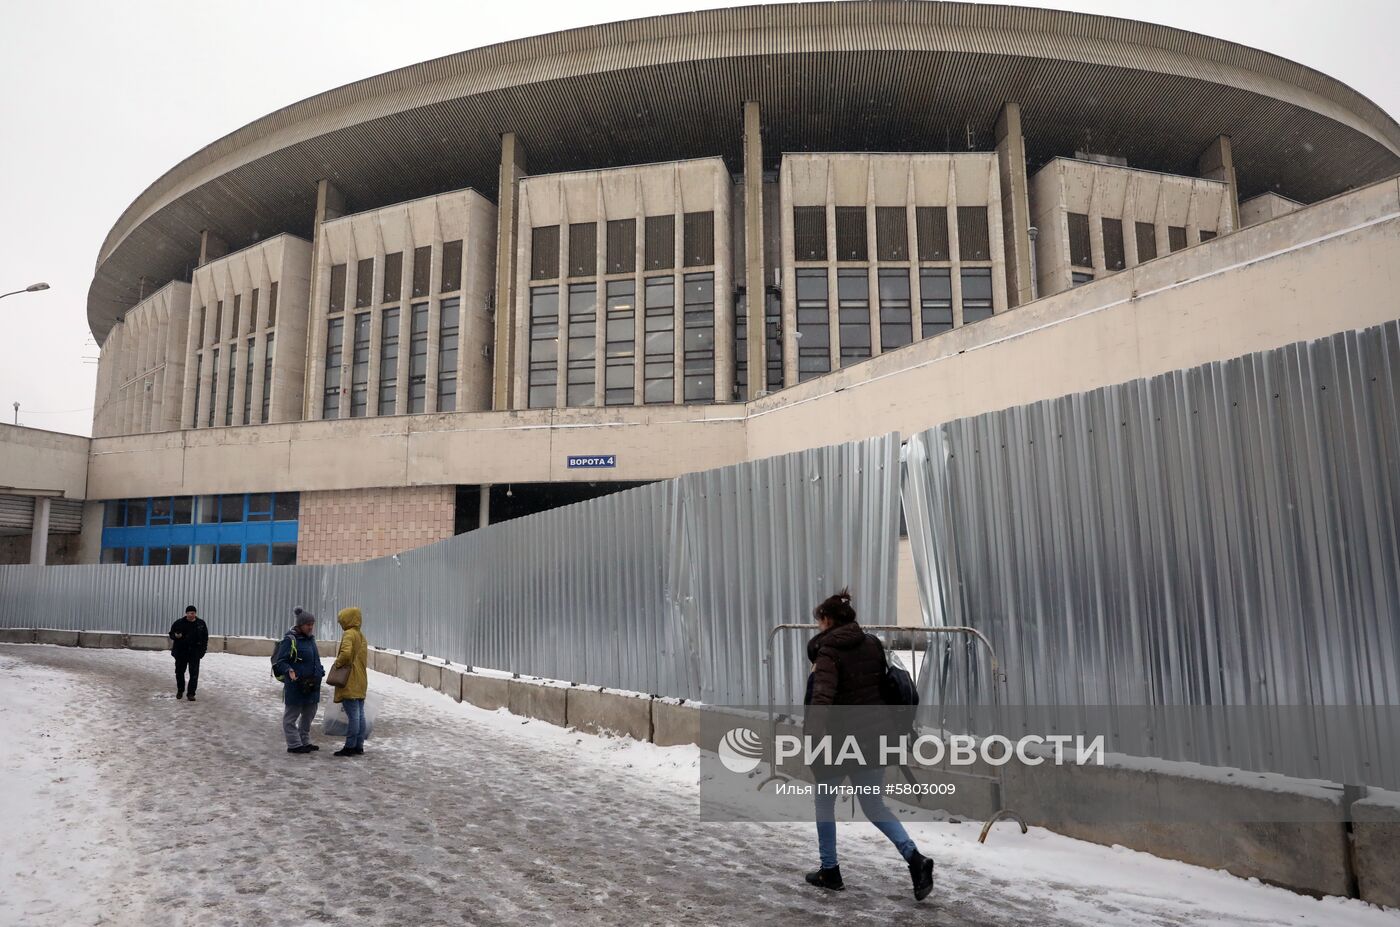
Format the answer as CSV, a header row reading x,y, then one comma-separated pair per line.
x,y
350,525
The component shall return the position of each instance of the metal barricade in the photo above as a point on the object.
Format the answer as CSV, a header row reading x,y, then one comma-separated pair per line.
x,y
973,642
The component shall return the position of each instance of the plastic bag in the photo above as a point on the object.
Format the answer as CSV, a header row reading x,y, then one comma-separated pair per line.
x,y
334,722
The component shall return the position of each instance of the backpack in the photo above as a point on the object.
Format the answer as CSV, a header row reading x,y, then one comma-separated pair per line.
x,y
291,657
897,689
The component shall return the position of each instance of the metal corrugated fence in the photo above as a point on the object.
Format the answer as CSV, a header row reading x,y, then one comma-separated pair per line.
x,y
668,589
1227,535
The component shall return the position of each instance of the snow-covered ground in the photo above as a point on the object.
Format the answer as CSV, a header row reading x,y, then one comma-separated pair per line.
x,y
122,806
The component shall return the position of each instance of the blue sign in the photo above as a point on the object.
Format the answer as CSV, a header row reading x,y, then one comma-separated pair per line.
x,y
586,462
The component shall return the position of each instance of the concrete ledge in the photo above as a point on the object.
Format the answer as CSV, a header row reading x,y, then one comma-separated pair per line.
x,y
1375,835
674,724
250,646
600,712
489,692
102,640
406,668
429,674
61,638
541,702
450,683
382,661
147,642
17,636
216,643
327,648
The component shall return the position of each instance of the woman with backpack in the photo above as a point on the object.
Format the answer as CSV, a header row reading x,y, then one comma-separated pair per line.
x,y
350,678
848,666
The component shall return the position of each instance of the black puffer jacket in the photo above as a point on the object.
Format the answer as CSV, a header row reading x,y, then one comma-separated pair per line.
x,y
193,639
847,667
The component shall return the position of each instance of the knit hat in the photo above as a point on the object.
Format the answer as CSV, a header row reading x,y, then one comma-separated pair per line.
x,y
302,615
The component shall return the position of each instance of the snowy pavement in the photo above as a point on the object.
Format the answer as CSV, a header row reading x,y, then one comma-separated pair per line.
x,y
122,806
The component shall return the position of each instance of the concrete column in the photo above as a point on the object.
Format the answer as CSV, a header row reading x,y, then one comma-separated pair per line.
x,y
755,273
39,536
1217,162
330,204
1015,204
507,202
211,247
483,517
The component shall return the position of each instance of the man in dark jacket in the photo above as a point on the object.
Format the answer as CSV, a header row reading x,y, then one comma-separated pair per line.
x,y
189,638
297,662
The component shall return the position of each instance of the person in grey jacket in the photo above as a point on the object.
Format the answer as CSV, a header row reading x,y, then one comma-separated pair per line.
x,y
297,663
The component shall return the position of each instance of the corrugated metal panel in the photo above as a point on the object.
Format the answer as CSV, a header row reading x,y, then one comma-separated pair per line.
x,y
1227,535
669,588
16,512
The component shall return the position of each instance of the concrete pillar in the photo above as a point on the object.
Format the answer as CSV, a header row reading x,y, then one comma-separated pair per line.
x,y
330,204
483,517
39,535
1217,162
755,278
507,209
211,247
1015,204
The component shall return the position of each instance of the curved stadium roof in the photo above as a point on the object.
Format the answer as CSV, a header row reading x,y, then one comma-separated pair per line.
x,y
862,76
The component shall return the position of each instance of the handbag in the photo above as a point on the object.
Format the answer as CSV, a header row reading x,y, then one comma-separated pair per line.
x,y
338,676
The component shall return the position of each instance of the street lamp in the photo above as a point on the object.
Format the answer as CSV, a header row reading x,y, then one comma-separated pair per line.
x,y
32,288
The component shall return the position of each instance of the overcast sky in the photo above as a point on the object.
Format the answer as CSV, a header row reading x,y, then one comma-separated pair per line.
x,y
99,99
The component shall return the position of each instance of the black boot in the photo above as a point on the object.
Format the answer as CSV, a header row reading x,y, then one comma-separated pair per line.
x,y
921,874
344,751
179,694
190,697
827,878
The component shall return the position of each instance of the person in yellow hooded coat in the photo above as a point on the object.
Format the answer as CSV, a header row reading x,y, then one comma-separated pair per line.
x,y
354,653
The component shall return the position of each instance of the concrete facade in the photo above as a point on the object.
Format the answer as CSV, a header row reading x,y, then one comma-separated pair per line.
x,y
1264,207
142,388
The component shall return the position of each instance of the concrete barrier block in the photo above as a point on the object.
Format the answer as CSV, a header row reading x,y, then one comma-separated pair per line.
x,y
102,640
489,692
406,668
674,724
147,642
429,674
16,635
61,638
328,648
603,712
216,643
533,700
382,661
1375,834
250,646
450,683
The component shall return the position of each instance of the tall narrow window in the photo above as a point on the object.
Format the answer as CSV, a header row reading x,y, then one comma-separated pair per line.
x,y
544,252
773,326
213,387
659,373
1113,254
619,368
237,329
203,326
364,283
448,333
1146,234
583,249
1176,237
931,227
267,376
976,294
813,324
418,359
422,270
622,246
809,233
974,238
891,233
935,300
451,266
896,317
660,242
699,244
393,277
851,244
741,346
699,346
253,312
272,305
544,347
359,367
248,385
388,360
218,321
198,362
583,344
335,347
1079,251
1207,234
232,382
337,293
853,305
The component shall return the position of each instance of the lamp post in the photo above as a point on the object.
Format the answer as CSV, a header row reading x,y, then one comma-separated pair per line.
x,y
32,288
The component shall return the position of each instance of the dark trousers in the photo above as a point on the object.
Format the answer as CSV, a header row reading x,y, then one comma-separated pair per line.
x,y
181,662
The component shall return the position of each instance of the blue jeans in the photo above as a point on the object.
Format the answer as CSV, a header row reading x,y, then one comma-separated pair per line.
x,y
872,806
355,721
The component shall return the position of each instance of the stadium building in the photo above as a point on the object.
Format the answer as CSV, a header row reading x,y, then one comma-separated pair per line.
x,y
530,273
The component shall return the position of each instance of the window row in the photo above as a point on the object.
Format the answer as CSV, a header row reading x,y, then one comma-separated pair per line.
x,y
579,331
619,252
1114,255
239,324
277,554
386,392
391,286
204,510
851,241
212,416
